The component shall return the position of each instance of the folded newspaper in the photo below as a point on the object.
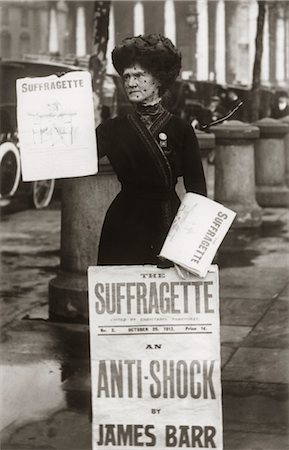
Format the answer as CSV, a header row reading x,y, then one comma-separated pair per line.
x,y
196,233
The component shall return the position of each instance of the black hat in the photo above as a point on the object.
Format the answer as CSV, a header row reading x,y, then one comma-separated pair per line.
x,y
152,52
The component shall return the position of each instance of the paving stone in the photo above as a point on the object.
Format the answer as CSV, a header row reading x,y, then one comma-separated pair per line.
x,y
226,353
252,282
30,242
56,383
239,311
255,407
234,334
32,390
272,252
284,295
44,338
267,246
63,430
238,440
274,257
272,331
275,214
40,311
258,364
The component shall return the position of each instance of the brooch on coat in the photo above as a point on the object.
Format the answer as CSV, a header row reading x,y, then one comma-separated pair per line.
x,y
164,143
163,140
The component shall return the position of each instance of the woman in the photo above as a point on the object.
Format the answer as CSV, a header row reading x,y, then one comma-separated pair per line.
x,y
148,150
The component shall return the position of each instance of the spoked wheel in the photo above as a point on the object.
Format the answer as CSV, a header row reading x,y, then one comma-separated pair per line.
x,y
9,169
42,192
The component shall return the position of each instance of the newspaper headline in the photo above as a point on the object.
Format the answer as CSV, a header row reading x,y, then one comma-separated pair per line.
x,y
155,358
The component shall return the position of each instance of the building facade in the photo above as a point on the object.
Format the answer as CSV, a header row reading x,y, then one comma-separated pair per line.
x,y
216,37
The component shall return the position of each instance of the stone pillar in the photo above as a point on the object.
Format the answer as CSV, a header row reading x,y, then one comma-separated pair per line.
x,y
111,41
234,171
287,40
80,32
286,143
265,67
138,19
252,25
206,143
220,43
170,21
271,189
202,40
280,45
53,44
85,201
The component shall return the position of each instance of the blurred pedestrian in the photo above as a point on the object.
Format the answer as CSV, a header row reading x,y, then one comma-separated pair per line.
x,y
231,102
281,107
148,149
216,108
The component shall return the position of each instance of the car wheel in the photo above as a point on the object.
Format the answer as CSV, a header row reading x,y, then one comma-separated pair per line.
x,y
9,169
42,192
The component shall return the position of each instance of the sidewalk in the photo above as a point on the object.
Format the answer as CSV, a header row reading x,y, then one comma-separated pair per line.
x,y
45,366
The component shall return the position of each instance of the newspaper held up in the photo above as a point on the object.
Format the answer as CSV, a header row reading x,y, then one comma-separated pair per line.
x,y
196,233
56,126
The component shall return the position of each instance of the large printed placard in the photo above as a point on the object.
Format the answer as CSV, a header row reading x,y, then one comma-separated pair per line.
x,y
155,358
56,126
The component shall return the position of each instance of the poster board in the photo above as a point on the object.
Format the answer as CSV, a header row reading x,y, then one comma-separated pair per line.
x,y
155,358
56,129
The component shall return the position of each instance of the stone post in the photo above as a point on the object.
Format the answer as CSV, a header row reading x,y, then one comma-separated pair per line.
x,y
84,204
286,143
271,189
234,171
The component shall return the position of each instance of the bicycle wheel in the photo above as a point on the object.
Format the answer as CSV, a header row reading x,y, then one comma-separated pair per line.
x,y
42,192
9,169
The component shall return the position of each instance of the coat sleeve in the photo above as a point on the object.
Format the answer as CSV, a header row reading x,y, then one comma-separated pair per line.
x,y
193,173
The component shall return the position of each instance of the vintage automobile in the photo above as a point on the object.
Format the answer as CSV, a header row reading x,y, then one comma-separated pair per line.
x,y
38,193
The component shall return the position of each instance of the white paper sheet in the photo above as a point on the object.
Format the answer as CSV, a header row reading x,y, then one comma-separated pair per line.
x,y
155,358
56,126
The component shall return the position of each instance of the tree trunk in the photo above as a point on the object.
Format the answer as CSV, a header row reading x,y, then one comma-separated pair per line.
x,y
256,82
97,61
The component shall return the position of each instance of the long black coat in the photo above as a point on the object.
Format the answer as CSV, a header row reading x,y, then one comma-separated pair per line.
x,y
139,218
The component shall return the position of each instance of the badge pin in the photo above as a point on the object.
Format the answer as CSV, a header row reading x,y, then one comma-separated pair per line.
x,y
163,139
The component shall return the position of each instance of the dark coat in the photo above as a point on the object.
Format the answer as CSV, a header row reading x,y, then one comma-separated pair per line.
x,y
139,218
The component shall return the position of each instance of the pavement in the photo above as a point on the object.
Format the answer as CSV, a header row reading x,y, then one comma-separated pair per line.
x,y
45,365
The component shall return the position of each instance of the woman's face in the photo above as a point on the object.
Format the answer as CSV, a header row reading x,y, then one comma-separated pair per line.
x,y
140,85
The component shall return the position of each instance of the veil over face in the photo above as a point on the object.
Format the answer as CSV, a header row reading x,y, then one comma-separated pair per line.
x,y
140,85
